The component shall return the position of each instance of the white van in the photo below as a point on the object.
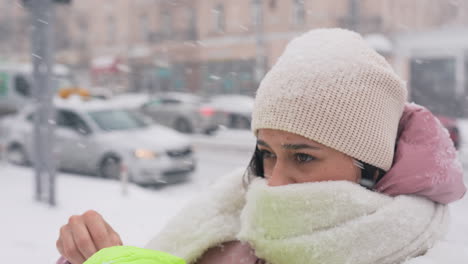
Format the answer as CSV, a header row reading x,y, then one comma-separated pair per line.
x,y
16,85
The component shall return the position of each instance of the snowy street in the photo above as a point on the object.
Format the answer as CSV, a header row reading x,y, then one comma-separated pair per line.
x,y
29,229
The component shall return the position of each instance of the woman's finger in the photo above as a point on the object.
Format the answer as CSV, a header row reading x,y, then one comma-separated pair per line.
x,y
82,237
67,246
115,236
98,230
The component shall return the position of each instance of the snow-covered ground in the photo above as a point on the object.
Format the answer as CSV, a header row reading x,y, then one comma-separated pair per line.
x,y
28,230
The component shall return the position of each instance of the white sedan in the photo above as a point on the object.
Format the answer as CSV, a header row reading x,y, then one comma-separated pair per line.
x,y
101,139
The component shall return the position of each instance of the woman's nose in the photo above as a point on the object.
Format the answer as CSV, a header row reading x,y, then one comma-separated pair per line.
x,y
279,176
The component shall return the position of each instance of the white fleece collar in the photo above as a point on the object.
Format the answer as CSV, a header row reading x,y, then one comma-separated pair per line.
x,y
337,222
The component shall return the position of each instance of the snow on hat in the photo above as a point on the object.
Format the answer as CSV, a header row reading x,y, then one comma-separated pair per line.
x,y
331,87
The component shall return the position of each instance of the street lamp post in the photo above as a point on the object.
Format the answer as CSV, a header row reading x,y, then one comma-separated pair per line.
x,y
42,40
259,41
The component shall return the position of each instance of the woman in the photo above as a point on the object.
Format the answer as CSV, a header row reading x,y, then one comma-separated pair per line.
x,y
343,172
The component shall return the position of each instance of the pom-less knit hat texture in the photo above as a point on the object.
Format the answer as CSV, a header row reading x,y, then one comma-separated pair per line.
x,y
331,87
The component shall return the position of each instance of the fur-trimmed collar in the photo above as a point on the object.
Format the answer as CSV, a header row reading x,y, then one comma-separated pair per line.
x,y
337,222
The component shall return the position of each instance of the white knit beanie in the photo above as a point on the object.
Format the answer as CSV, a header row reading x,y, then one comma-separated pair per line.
x,y
331,87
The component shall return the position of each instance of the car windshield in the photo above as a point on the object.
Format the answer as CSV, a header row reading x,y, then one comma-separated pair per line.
x,y
110,120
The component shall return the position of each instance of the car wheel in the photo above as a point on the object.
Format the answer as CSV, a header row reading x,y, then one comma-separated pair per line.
x,y
110,168
211,131
183,125
16,154
244,123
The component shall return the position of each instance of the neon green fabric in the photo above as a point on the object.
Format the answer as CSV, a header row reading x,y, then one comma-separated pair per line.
x,y
132,255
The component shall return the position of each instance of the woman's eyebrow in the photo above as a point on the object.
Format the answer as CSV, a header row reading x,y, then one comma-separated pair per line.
x,y
299,146
262,143
289,146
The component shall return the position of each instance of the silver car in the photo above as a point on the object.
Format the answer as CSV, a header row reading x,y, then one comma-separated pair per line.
x,y
102,139
237,108
184,112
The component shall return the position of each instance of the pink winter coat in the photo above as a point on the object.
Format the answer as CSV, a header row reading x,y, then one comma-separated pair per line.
x,y
425,161
425,164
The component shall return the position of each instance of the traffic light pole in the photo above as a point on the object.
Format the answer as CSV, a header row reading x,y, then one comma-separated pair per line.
x,y
42,17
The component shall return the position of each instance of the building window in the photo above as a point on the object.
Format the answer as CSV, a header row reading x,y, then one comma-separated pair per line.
x,y
83,30
299,13
166,24
192,24
6,23
219,18
256,13
111,30
145,28
273,4
354,20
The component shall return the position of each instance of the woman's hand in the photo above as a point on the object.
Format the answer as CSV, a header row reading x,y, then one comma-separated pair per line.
x,y
84,235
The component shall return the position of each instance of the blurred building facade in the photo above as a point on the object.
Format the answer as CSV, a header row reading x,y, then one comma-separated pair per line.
x,y
221,46
14,31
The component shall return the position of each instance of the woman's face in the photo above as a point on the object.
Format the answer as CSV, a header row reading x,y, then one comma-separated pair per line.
x,y
289,158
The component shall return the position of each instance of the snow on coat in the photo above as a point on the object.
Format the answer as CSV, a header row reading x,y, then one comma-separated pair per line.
x,y
425,162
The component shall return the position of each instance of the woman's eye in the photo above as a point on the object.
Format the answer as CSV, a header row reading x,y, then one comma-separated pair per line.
x,y
302,158
266,154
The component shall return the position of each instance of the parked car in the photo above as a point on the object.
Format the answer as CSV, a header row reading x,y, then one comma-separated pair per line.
x,y
184,112
16,84
101,138
452,127
237,108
